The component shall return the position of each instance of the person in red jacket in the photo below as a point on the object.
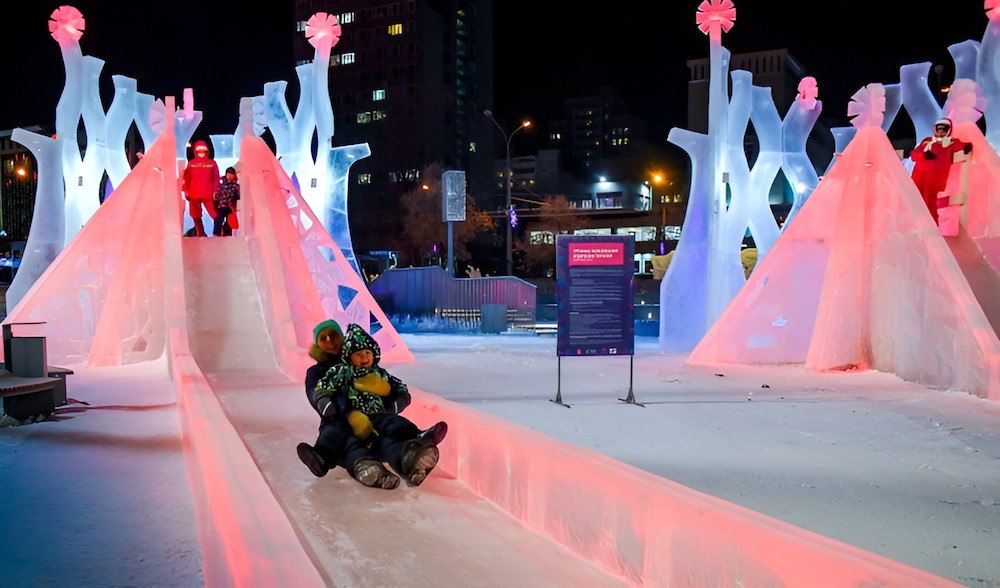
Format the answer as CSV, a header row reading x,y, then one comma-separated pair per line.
x,y
201,180
932,159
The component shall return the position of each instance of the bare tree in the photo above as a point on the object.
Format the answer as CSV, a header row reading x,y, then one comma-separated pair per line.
x,y
555,217
423,227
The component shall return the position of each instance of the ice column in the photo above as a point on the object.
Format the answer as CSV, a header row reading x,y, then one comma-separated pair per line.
x,y
105,132
795,129
46,238
322,181
988,73
699,276
81,175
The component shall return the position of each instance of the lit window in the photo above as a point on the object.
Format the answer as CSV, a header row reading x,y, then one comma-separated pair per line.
x,y
300,26
364,178
334,60
378,95
472,146
346,18
364,118
379,114
347,58
396,29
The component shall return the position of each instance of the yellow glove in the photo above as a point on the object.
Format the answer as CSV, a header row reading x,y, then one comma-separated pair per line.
x,y
372,383
360,424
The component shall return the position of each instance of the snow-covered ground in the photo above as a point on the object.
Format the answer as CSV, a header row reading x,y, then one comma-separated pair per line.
x,y
99,494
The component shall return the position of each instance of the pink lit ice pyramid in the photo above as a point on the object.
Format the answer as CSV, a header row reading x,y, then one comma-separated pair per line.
x,y
862,279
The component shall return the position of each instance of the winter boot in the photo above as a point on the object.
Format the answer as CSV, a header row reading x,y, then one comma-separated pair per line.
x,y
375,475
434,435
418,461
312,459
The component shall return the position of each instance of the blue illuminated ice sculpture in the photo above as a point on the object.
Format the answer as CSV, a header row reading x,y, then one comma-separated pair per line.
x,y
727,196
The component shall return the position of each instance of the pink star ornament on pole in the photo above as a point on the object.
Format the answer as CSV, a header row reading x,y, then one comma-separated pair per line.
x,y
323,32
992,8
66,25
714,17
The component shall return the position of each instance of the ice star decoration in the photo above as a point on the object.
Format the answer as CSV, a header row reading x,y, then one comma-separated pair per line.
x,y
867,106
992,8
965,103
67,25
808,91
158,116
715,16
323,31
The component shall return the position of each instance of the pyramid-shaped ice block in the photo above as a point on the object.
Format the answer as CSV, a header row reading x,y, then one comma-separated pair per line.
x,y
862,279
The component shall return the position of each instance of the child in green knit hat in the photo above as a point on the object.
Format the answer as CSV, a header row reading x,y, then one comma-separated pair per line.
x,y
336,445
373,399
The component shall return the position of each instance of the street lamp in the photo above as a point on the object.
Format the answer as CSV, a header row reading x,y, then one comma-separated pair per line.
x,y
509,173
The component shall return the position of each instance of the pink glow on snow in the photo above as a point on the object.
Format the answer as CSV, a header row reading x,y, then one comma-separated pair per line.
x,y
323,32
67,25
714,17
808,91
992,10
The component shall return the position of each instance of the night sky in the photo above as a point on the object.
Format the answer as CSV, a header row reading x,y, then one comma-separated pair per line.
x,y
539,59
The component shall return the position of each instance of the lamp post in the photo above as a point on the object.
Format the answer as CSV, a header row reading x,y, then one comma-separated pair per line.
x,y
508,176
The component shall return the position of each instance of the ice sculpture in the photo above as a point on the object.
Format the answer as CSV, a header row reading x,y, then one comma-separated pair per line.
x,y
112,318
988,72
323,180
728,197
81,175
795,129
45,240
105,132
862,280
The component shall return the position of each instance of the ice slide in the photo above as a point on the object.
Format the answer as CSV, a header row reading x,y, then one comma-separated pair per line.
x,y
496,491
505,505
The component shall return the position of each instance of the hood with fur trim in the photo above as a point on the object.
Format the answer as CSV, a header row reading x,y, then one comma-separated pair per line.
x,y
356,339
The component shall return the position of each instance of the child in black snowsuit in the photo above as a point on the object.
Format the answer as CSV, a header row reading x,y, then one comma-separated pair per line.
x,y
336,444
373,399
225,199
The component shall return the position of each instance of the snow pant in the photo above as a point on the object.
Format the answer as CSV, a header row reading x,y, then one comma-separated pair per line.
x,y
393,433
331,445
194,209
222,224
